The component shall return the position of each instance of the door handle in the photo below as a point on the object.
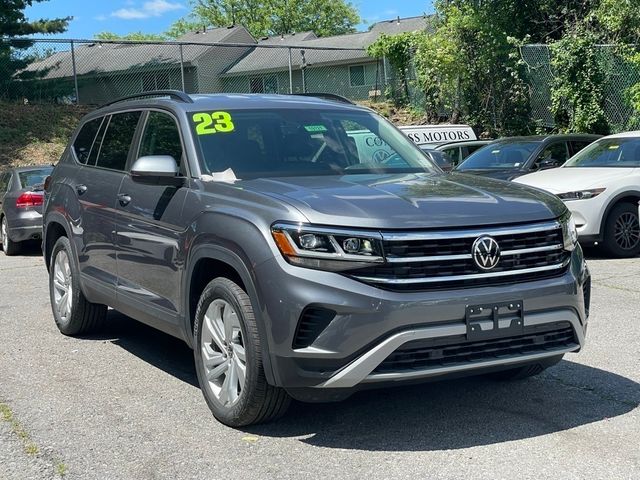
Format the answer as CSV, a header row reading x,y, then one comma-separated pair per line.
x,y
81,189
124,199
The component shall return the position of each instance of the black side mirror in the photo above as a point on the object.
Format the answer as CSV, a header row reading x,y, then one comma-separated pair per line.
x,y
549,163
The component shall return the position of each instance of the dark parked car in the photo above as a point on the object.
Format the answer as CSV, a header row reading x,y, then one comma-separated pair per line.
x,y
21,198
457,152
511,157
439,158
299,264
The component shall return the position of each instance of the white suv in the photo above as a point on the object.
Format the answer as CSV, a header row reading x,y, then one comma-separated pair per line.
x,y
601,187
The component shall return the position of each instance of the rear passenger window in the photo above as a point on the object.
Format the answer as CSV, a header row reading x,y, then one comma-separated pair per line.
x,y
117,140
161,137
84,140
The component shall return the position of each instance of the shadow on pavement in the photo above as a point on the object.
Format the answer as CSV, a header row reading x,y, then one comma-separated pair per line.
x,y
30,248
434,416
150,345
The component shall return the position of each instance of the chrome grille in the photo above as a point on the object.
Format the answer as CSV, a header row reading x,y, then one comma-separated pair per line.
x,y
443,259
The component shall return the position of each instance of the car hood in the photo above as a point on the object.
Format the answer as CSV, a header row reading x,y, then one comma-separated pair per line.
x,y
571,179
503,174
409,200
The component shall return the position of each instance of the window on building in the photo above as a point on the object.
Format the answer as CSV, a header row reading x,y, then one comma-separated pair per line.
x,y
356,76
268,84
156,81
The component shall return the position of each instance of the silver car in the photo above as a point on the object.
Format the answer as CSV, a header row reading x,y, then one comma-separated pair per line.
x,y
21,199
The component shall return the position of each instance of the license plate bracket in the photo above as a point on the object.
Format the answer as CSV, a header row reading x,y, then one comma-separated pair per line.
x,y
494,320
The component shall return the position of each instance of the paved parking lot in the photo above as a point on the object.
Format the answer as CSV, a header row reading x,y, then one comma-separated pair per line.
x,y
125,405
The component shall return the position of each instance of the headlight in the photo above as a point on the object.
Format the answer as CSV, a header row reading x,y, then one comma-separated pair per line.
x,y
569,233
581,194
327,249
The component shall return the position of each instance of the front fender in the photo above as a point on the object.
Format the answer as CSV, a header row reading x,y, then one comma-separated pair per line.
x,y
242,246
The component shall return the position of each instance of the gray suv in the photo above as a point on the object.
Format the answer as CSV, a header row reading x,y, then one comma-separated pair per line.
x,y
297,266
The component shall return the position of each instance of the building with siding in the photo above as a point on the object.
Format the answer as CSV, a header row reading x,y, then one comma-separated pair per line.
x,y
315,67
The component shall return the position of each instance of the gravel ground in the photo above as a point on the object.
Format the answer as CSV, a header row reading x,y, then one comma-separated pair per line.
x,y
125,405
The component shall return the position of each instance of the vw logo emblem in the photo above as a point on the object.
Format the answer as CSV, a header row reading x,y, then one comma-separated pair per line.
x,y
485,252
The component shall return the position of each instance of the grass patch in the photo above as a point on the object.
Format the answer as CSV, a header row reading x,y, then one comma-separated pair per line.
x,y
61,469
28,445
18,430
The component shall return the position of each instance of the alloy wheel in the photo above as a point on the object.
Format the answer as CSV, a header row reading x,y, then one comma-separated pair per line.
x,y
627,231
62,286
223,353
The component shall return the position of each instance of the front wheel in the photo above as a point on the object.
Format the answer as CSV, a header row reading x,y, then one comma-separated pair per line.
x,y
622,231
228,358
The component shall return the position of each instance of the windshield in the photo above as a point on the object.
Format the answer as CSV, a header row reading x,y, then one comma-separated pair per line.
x,y
31,178
507,155
609,152
298,142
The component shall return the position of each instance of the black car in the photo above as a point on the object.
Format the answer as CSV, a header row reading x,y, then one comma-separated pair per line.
x,y
511,157
21,198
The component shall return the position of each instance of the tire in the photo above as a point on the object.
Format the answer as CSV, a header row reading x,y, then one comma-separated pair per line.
x,y
525,371
9,247
622,231
76,315
225,331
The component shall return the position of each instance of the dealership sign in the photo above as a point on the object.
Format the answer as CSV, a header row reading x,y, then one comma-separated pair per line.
x,y
437,134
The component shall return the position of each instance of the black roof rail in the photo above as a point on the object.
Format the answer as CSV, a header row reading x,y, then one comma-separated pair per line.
x,y
327,96
175,94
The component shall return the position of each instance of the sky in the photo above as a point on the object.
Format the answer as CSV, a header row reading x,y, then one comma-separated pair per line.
x,y
156,16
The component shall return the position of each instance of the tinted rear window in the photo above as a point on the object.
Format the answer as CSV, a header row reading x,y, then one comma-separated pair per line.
x,y
117,140
84,140
32,178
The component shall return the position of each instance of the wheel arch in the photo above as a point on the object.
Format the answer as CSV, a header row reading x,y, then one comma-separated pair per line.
x,y
628,196
54,229
208,262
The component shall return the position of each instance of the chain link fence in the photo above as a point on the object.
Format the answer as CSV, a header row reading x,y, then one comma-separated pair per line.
x,y
620,76
93,72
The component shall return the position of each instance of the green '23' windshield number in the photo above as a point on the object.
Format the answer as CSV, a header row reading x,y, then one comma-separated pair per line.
x,y
207,123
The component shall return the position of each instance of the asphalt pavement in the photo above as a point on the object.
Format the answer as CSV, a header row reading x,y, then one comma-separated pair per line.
x,y
124,404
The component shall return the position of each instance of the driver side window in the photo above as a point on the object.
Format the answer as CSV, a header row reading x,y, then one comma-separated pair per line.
x,y
552,156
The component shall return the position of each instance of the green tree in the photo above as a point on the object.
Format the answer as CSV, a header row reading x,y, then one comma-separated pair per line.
x,y
577,91
272,17
13,52
133,36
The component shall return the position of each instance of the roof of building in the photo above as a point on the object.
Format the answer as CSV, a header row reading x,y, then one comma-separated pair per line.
x,y
400,25
290,39
263,60
104,56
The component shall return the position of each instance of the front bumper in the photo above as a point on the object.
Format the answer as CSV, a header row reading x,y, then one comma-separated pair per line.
x,y
371,323
588,217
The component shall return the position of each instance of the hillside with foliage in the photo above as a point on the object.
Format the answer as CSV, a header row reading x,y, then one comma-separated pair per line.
x,y
41,134
470,70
